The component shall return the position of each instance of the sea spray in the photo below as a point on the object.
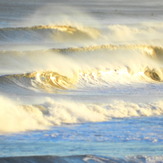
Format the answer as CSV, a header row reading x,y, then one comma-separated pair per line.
x,y
51,113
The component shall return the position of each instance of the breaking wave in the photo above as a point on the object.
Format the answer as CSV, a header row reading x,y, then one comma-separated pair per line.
x,y
113,55
50,112
82,67
78,58
50,81
48,32
42,80
62,68
73,32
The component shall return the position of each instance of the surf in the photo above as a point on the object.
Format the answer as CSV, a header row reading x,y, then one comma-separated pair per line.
x,y
83,67
48,112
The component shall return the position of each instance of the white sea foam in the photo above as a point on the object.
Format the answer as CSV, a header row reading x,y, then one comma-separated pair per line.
x,y
16,117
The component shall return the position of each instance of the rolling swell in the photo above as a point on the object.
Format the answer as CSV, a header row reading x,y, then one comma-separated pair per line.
x,y
81,159
74,32
155,52
47,32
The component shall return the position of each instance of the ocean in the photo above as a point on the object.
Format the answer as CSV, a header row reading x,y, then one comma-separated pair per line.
x,y
81,81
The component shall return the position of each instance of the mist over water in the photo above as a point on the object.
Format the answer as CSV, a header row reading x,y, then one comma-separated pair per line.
x,y
65,64
52,112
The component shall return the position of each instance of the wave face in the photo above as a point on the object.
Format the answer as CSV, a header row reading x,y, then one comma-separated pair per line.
x,y
83,67
82,159
55,33
73,32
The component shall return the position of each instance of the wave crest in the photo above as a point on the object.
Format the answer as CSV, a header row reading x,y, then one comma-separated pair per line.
x,y
154,52
49,32
51,81
43,80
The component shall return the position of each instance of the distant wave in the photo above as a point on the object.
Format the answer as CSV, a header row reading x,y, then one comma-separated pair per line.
x,y
82,159
149,50
140,33
50,112
48,32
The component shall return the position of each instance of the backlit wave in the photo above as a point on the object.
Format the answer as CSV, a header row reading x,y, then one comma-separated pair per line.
x,y
50,112
149,50
50,81
48,32
46,81
72,32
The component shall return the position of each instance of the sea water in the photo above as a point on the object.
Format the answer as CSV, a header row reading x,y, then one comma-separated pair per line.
x,y
81,81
